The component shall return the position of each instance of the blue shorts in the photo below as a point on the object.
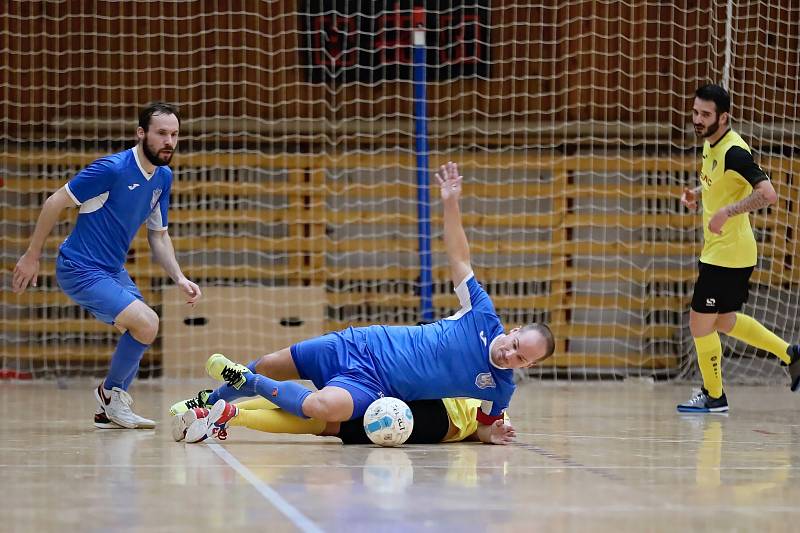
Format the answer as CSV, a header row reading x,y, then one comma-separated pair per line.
x,y
335,360
104,295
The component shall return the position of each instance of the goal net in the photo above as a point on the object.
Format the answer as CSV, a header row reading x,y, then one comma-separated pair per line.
x,y
297,203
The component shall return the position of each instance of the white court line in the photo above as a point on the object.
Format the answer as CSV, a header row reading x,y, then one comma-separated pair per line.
x,y
296,517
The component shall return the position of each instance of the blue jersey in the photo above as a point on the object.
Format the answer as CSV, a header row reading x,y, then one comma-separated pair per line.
x,y
116,196
446,359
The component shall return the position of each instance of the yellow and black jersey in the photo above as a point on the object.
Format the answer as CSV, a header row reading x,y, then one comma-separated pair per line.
x,y
463,414
728,175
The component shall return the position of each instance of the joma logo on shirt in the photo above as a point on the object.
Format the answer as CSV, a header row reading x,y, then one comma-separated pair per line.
x,y
484,381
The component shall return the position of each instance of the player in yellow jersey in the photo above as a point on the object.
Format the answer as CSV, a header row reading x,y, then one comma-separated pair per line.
x,y
731,186
447,420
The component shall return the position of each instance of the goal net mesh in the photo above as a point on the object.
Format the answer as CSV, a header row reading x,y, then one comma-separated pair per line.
x,y
295,201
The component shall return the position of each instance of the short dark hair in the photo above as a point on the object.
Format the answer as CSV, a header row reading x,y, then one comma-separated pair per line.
x,y
717,94
546,333
157,108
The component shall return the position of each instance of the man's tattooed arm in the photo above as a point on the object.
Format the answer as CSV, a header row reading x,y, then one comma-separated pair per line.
x,y
754,202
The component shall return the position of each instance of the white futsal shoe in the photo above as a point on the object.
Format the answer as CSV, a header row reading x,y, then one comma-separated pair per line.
x,y
101,420
118,409
215,424
182,422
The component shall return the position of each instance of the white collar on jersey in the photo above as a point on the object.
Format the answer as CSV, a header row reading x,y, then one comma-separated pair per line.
x,y
139,164
490,352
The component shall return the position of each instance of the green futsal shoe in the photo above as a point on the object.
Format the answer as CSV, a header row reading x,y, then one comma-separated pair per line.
x,y
201,400
221,368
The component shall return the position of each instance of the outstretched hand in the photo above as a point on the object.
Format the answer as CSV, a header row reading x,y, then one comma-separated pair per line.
x,y
502,433
449,181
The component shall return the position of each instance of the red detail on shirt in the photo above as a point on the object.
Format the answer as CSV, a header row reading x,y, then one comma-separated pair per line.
x,y
487,420
274,392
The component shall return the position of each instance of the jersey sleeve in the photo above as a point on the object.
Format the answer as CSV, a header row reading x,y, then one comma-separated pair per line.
x,y
471,294
158,216
490,412
92,181
739,160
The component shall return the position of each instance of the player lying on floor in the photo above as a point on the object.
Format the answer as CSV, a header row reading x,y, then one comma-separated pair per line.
x,y
466,355
447,420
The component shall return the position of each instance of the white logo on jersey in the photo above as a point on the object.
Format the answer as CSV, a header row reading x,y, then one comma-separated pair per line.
x,y
154,199
483,337
711,302
484,381
131,187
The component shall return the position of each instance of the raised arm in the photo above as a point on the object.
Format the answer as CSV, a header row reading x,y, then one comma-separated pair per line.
x,y
455,240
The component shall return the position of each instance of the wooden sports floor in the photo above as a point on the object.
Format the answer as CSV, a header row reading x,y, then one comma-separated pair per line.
x,y
589,457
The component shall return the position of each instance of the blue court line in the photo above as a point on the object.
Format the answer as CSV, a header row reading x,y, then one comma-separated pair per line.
x,y
296,517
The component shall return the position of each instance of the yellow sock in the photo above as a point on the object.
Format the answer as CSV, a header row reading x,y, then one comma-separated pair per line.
x,y
277,421
709,358
752,332
256,403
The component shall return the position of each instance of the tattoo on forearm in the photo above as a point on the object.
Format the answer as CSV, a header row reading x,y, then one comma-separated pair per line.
x,y
752,203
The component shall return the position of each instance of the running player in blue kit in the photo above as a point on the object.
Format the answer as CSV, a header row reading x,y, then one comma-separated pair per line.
x,y
116,195
465,355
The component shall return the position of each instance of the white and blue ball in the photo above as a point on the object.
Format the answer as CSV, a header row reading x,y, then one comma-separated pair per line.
x,y
388,422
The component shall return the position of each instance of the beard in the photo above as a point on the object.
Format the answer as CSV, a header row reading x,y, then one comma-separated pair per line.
x,y
154,157
711,130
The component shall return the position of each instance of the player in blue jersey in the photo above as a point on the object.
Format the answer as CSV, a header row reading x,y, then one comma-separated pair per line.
x,y
116,195
464,355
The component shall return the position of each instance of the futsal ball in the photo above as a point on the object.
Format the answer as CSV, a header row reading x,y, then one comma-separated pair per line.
x,y
388,422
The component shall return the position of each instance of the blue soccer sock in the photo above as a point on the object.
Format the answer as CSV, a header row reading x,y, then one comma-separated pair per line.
x,y
287,395
130,378
229,394
124,362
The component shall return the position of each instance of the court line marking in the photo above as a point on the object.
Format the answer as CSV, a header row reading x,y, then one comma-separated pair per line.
x,y
571,463
607,473
289,511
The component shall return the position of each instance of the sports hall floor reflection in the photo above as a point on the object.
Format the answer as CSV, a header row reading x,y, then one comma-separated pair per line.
x,y
617,457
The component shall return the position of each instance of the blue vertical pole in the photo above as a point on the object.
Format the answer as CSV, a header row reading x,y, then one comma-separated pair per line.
x,y
423,175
